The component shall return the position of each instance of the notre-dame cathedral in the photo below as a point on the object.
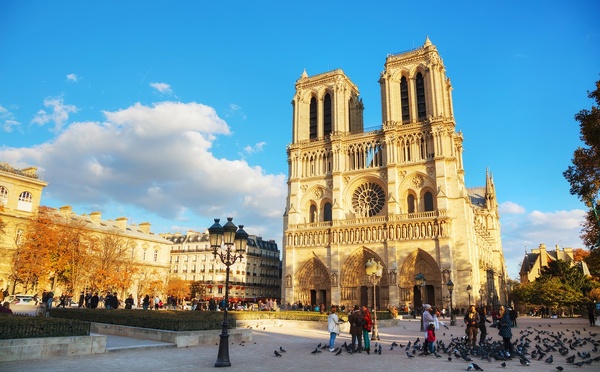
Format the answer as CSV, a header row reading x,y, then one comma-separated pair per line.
x,y
395,195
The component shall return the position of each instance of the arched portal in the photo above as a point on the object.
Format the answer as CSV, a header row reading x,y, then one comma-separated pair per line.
x,y
356,289
314,284
421,262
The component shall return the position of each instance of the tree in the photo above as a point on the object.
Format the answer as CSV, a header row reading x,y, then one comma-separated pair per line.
x,y
593,263
178,287
579,254
584,174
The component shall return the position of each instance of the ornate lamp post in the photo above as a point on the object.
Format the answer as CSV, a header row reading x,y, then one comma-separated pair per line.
x,y
374,271
228,235
421,281
469,289
450,286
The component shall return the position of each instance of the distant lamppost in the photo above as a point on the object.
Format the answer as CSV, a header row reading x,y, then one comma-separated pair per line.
x,y
228,235
481,294
421,281
374,271
469,289
450,286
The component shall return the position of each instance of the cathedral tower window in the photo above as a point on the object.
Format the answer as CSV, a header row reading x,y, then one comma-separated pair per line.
x,y
313,118
368,199
404,100
327,216
327,115
428,201
420,85
410,201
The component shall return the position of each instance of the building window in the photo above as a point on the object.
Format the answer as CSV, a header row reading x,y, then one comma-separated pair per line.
x,y
25,202
410,200
327,115
313,118
428,201
420,85
404,100
3,195
155,255
144,256
327,216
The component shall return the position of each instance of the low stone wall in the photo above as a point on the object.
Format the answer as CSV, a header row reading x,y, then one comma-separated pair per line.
x,y
180,339
48,347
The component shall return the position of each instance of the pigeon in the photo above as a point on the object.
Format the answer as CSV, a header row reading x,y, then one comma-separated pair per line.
x,y
524,361
316,351
339,351
277,354
559,368
281,349
449,359
549,360
474,366
503,364
409,355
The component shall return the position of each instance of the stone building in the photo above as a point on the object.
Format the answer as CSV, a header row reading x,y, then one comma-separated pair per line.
x,y
257,276
395,194
20,195
538,258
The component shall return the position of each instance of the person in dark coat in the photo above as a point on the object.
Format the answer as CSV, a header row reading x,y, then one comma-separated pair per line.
x,y
504,329
94,301
129,302
592,314
114,301
482,327
81,299
356,321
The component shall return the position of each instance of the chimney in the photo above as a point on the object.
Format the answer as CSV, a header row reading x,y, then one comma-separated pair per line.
x,y
66,211
543,255
96,217
122,223
145,227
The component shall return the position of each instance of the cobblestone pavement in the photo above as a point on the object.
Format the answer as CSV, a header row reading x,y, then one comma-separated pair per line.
x,y
258,354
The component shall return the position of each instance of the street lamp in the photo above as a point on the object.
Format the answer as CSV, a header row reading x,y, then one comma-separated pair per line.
x,y
421,281
228,235
450,286
374,271
469,289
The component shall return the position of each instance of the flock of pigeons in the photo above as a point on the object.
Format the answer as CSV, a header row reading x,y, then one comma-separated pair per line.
x,y
574,348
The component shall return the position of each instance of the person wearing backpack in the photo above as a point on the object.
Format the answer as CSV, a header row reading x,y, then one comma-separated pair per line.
x,y
356,321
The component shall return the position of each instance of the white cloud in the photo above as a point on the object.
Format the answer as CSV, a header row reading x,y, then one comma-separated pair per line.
x,y
59,115
256,148
522,232
8,119
158,160
510,208
162,88
72,77
235,110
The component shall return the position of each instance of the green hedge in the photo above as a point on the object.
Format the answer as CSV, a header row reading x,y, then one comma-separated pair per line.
x,y
169,320
23,326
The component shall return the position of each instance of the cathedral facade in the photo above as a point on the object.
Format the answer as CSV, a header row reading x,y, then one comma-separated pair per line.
x,y
395,195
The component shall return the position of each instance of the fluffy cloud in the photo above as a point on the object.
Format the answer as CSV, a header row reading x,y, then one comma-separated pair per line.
x,y
162,88
522,232
59,114
72,77
157,159
8,120
510,208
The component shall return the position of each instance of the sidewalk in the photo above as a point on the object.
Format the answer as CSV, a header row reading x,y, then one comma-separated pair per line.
x,y
258,355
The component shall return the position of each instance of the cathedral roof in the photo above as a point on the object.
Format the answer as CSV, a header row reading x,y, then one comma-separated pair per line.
x,y
477,196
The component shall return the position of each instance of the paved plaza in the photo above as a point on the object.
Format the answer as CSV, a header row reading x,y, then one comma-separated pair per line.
x,y
258,354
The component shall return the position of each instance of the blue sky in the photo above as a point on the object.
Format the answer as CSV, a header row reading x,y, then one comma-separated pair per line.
x,y
177,112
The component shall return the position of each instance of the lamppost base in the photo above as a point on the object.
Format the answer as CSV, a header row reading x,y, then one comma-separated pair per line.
x,y
223,356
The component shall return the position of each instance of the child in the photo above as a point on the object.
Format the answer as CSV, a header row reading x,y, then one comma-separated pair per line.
x,y
429,346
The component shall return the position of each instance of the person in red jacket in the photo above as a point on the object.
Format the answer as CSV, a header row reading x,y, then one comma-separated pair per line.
x,y
367,325
429,345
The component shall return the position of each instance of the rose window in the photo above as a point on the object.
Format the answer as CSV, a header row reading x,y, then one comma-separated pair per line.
x,y
368,199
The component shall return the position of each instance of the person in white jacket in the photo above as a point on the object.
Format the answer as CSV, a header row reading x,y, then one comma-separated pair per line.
x,y
333,326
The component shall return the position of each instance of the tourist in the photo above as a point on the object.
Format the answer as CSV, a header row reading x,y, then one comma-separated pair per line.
x,y
472,322
333,326
504,329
